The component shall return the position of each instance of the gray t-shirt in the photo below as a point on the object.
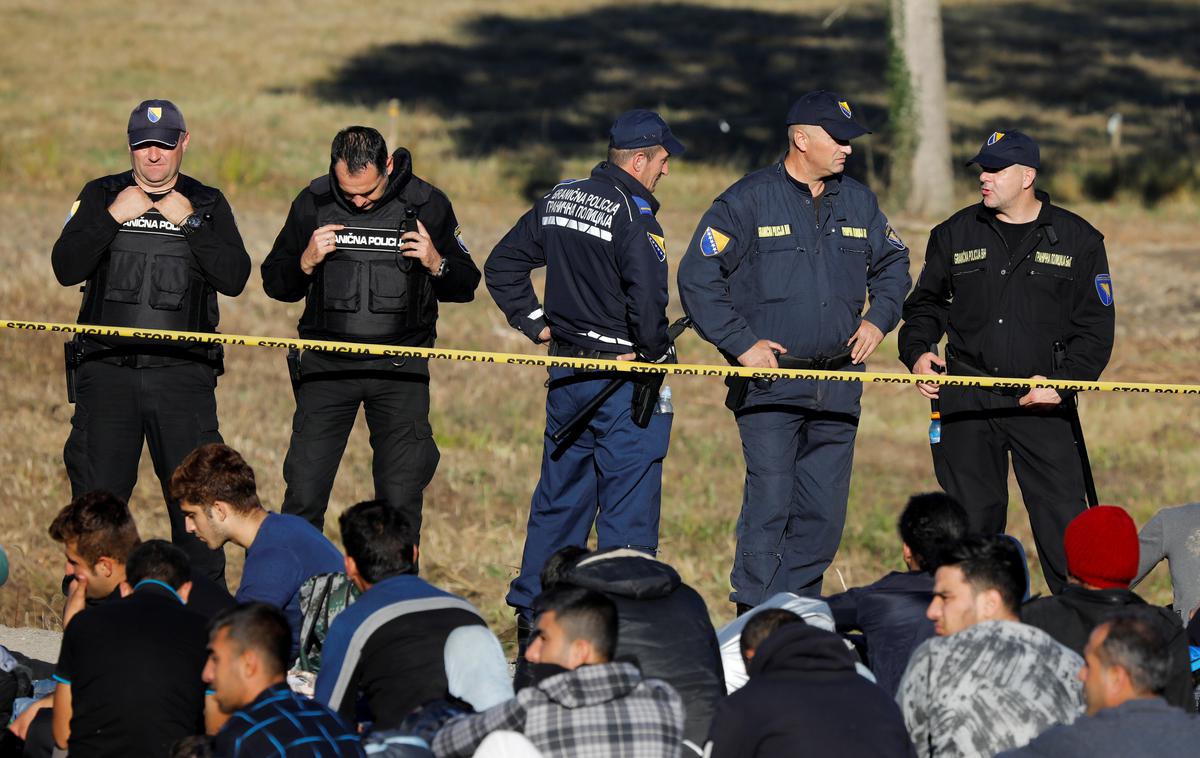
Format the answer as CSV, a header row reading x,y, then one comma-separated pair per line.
x,y
1174,534
991,687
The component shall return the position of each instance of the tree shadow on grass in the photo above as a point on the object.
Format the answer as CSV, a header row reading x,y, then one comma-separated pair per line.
x,y
726,76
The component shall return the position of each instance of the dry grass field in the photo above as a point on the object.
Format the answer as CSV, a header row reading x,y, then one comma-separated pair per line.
x,y
494,97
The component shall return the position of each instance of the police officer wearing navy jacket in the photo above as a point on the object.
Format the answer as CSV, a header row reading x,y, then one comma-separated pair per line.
x,y
372,249
781,264
154,248
1021,288
605,297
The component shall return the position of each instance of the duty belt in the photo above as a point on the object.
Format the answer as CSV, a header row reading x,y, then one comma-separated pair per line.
x,y
567,350
956,366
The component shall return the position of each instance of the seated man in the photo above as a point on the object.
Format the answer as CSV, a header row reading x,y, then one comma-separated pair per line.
x,y
987,682
891,612
389,647
583,703
650,597
1102,558
804,696
248,657
216,491
1127,664
129,670
1170,535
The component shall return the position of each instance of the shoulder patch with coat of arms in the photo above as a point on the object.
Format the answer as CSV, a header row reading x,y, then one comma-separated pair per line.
x,y
459,239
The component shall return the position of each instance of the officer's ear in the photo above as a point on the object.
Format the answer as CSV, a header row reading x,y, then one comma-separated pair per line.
x,y
797,138
183,141
1028,175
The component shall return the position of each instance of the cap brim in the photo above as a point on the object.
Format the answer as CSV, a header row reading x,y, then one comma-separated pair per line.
x,y
847,129
674,147
167,137
988,163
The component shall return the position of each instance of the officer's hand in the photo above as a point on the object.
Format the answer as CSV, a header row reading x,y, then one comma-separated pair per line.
x,y
760,354
322,242
419,245
625,357
174,207
130,203
865,339
1040,397
924,365
544,335
20,725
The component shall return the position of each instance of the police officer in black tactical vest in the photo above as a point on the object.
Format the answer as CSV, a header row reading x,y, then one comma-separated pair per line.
x,y
153,248
372,249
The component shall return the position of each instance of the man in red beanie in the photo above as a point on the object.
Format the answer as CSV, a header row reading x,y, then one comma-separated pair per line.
x,y
1102,558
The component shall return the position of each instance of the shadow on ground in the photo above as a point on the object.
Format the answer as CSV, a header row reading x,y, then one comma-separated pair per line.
x,y
727,75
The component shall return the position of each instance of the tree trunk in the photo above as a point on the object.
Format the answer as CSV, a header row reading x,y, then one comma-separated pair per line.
x,y
921,169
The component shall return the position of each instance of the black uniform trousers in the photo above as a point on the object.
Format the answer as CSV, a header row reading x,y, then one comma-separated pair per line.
x,y
397,409
971,463
173,408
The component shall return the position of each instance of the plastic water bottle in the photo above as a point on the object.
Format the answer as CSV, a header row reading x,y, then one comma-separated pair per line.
x,y
664,400
935,427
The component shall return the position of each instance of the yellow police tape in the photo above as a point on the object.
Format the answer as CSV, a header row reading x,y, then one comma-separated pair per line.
x,y
676,369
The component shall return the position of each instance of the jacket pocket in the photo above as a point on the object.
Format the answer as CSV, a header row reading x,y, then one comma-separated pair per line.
x,y
168,282
340,285
125,273
389,288
775,265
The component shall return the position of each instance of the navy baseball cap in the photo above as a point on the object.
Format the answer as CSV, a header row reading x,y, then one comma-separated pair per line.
x,y
828,110
642,128
1003,149
157,121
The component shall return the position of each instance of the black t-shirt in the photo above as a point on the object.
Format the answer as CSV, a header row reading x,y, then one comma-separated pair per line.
x,y
1014,234
134,668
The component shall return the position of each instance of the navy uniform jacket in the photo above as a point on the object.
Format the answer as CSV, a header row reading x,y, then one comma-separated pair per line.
x,y
1004,309
762,265
606,267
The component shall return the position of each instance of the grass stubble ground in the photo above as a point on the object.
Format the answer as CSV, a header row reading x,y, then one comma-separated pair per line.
x,y
259,136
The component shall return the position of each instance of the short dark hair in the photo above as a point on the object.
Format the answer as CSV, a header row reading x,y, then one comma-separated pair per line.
x,y
619,156
380,539
260,627
99,524
359,146
930,524
1138,645
559,564
196,746
159,560
991,562
759,626
215,472
584,615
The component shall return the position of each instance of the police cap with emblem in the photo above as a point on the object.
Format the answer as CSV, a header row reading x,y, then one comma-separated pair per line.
x,y
157,121
1002,149
643,128
829,111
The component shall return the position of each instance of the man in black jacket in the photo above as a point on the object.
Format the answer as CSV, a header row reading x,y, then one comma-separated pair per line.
x,y
890,613
372,249
1021,287
804,697
154,248
650,598
1102,559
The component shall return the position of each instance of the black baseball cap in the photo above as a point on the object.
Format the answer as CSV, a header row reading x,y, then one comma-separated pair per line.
x,y
157,121
828,110
1003,149
643,128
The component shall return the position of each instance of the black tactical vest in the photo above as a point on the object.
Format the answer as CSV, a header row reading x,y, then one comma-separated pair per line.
x,y
149,278
366,290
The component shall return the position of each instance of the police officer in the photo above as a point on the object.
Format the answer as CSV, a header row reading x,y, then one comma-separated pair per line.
x,y
153,248
372,249
1021,287
780,265
605,297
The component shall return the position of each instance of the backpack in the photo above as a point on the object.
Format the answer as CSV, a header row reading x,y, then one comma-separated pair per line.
x,y
322,598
